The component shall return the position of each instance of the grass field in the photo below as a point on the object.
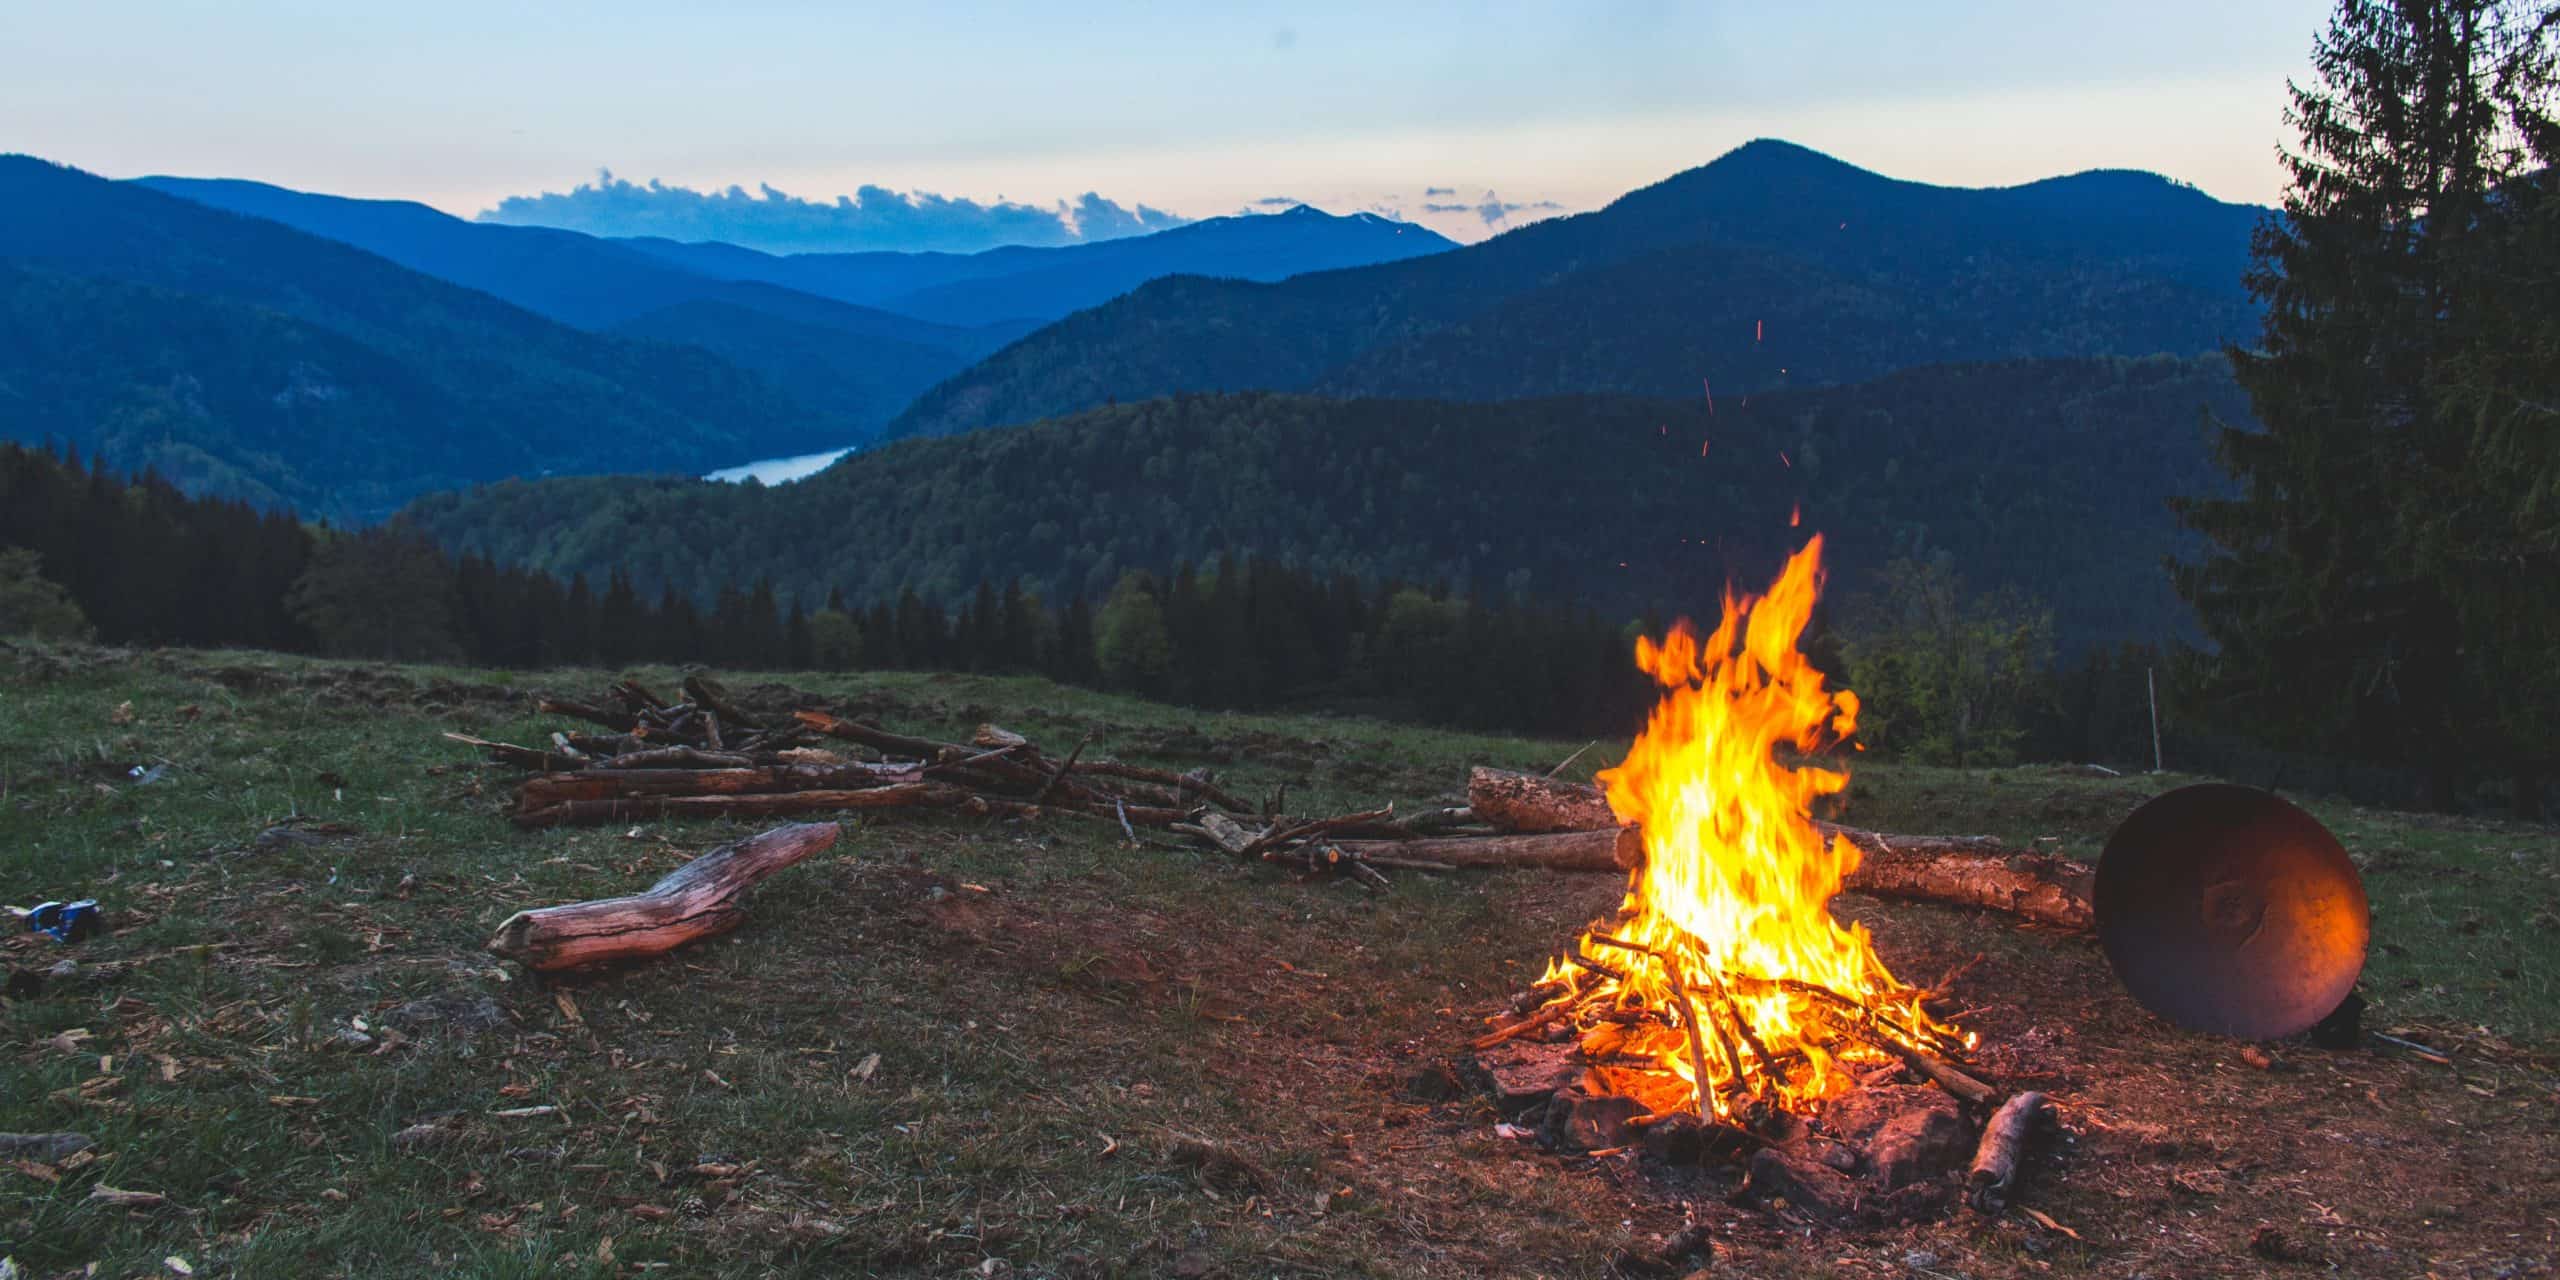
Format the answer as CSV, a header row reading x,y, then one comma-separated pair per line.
x,y
954,1046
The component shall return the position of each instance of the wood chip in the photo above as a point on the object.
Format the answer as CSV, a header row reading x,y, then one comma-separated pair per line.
x,y
118,1197
2046,1221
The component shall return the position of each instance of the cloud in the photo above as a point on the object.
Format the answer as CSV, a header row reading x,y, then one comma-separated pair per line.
x,y
1277,202
872,218
1439,191
1285,38
1491,207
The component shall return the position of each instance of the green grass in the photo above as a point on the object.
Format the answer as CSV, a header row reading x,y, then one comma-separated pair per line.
x,y
1045,1047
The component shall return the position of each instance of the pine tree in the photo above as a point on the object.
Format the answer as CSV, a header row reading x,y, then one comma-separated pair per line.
x,y
2331,625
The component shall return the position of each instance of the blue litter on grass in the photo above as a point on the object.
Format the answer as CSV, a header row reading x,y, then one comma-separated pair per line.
x,y
64,921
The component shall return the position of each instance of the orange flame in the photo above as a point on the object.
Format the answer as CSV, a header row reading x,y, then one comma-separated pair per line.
x,y
1725,948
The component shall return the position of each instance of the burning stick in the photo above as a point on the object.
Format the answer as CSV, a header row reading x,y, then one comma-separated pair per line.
x,y
1732,870
2004,1143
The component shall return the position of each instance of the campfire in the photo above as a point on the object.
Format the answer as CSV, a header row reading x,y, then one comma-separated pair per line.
x,y
1724,986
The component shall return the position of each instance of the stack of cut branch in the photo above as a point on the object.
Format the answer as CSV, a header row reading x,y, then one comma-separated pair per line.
x,y
707,756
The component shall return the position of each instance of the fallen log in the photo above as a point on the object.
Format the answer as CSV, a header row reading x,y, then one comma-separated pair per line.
x,y
1529,803
1973,871
600,783
696,900
902,795
2004,1145
1552,851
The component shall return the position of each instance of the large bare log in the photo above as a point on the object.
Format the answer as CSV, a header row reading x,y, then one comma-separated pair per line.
x,y
1973,871
2004,1145
601,783
1552,851
1526,802
903,795
696,900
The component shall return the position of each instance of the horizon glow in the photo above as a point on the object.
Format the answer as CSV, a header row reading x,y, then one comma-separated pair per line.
x,y
1199,112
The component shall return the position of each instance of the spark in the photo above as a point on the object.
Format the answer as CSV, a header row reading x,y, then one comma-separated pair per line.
x,y
1790,462
1711,395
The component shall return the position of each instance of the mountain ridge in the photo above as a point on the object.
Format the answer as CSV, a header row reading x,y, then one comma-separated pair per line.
x,y
1990,273
1047,282
505,390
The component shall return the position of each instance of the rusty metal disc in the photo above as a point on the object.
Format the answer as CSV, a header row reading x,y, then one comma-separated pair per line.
x,y
2225,909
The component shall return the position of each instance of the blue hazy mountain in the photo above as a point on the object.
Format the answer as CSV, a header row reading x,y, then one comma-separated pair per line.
x,y
1773,266
253,359
854,363
1025,283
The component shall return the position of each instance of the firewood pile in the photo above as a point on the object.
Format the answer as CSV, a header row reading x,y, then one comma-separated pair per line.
x,y
704,755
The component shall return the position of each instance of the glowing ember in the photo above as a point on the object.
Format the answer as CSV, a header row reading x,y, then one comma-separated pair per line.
x,y
1725,965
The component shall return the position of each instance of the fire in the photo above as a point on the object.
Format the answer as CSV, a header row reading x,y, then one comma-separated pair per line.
x,y
1724,981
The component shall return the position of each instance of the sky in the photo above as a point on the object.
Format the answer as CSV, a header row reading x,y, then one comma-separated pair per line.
x,y
1427,111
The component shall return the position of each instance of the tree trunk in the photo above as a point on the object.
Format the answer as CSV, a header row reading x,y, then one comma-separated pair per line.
x,y
696,900
2528,793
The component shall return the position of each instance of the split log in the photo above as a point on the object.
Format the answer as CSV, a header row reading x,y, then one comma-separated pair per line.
x,y
2004,1146
1528,803
696,900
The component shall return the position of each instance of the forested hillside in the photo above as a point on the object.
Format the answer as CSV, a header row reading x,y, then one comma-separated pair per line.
x,y
2051,476
265,363
1774,266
